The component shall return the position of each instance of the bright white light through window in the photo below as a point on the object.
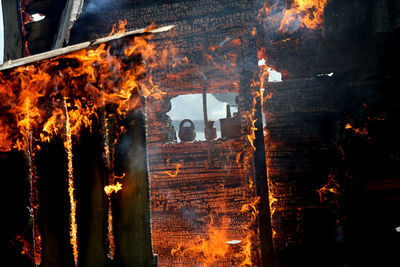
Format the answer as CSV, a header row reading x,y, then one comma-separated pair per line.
x,y
191,107
327,74
274,76
37,17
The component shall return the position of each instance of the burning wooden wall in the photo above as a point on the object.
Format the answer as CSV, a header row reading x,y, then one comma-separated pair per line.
x,y
73,128
196,204
331,133
308,117
328,138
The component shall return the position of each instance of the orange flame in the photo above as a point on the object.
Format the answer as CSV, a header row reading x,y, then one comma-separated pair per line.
x,y
251,237
120,29
77,86
178,166
112,188
249,116
332,187
308,13
68,148
26,247
359,131
272,201
110,232
209,249
91,76
34,210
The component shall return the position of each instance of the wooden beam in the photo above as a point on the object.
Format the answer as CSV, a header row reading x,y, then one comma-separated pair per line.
x,y
249,67
13,44
70,14
132,212
58,52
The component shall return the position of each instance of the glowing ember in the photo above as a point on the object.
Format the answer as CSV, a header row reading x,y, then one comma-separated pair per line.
x,y
360,131
332,187
176,171
25,127
110,234
68,148
26,247
34,207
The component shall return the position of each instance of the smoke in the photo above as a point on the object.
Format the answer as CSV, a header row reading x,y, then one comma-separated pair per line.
x,y
94,6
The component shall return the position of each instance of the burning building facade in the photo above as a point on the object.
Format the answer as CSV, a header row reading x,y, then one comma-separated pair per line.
x,y
308,174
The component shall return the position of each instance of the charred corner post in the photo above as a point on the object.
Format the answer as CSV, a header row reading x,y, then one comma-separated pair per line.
x,y
76,115
251,100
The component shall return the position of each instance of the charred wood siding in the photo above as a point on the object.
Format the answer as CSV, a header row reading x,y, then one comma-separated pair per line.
x,y
310,122
183,204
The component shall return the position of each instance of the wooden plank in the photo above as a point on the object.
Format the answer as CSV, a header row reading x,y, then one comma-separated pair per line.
x,y
132,216
70,14
61,51
12,32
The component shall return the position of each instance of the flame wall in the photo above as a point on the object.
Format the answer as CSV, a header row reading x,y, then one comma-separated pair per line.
x,y
69,211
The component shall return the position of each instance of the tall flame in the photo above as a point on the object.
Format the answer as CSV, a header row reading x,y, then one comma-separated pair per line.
x,y
62,95
249,242
34,204
68,148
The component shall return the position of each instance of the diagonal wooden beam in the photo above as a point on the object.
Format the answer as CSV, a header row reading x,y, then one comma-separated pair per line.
x,y
54,53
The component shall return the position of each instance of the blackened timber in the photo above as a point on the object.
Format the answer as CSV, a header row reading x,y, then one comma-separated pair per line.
x,y
132,215
249,68
13,37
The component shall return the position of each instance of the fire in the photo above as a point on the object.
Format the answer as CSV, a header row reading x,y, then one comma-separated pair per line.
x,y
209,249
252,135
25,127
99,72
60,96
68,148
216,244
26,247
5,141
112,188
109,189
301,14
120,29
272,201
332,188
34,206
359,131
250,239
110,234
178,166
306,13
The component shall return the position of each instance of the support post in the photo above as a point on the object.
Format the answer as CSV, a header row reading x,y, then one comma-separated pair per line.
x,y
249,68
